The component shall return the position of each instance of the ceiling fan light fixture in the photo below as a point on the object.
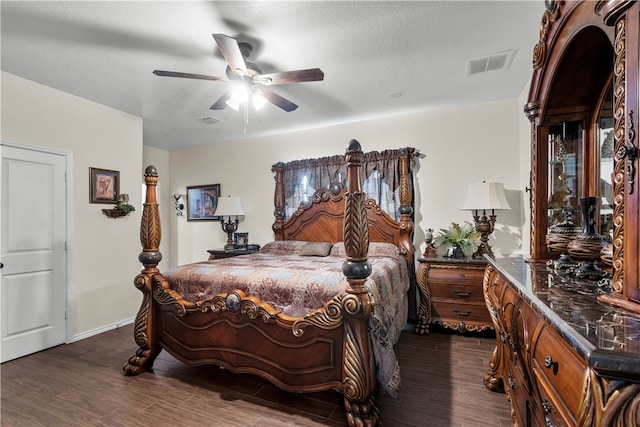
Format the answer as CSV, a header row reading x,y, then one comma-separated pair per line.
x,y
233,103
248,79
258,100
240,93
239,96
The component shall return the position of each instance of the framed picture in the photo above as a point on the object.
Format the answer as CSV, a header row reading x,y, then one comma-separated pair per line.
x,y
241,240
202,201
104,186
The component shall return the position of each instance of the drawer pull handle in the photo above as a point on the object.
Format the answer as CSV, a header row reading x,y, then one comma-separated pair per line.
x,y
549,363
462,313
462,294
512,383
546,405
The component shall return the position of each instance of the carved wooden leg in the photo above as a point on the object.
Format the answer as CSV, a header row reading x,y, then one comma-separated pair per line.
x,y
362,414
424,311
491,381
140,362
143,359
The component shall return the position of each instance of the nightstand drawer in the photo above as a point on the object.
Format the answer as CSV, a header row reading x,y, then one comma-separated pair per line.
x,y
468,313
456,274
460,292
560,373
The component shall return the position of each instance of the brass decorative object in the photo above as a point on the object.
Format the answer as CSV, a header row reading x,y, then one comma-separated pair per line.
x,y
482,198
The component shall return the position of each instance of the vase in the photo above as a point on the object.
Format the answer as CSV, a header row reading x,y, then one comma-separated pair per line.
x,y
588,243
564,265
561,234
457,252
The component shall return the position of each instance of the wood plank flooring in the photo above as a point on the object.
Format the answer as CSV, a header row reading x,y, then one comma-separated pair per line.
x,y
81,384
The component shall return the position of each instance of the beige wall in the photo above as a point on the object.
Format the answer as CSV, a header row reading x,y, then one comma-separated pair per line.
x,y
457,146
103,251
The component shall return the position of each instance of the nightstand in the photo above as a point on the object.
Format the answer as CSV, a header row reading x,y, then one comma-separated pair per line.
x,y
455,290
221,253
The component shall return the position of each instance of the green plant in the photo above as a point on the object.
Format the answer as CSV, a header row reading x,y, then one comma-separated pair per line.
x,y
464,236
123,206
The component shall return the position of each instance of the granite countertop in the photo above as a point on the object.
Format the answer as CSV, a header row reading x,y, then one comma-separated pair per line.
x,y
607,338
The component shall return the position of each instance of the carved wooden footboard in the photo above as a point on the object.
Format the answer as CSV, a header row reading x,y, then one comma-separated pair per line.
x,y
326,349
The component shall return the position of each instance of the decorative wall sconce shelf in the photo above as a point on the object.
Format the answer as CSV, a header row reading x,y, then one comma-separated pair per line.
x,y
114,213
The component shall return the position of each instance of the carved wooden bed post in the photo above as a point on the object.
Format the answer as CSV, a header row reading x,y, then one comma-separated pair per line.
x,y
406,196
150,234
278,200
358,380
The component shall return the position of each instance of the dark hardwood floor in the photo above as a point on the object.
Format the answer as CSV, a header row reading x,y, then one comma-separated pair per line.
x,y
82,384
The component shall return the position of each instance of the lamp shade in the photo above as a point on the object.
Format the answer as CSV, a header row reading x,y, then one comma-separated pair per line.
x,y
485,195
229,206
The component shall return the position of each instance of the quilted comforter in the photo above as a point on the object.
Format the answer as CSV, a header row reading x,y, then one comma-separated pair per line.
x,y
296,280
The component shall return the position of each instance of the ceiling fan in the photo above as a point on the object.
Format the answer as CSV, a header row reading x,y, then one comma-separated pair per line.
x,y
250,80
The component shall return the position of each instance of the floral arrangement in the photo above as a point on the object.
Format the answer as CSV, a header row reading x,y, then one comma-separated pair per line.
x,y
124,206
462,236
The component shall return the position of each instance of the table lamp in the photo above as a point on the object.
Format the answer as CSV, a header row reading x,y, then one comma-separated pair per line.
x,y
482,197
228,207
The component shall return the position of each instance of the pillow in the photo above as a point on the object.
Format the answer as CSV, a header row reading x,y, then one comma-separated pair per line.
x,y
316,249
283,247
383,249
380,249
297,247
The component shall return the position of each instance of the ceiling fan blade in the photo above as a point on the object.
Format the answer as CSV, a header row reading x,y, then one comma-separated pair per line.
x,y
231,52
221,103
187,75
310,75
277,100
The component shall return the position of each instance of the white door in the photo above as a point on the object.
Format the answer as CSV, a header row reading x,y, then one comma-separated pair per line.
x,y
33,251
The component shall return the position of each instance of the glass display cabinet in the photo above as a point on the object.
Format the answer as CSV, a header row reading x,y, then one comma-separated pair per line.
x,y
583,108
567,346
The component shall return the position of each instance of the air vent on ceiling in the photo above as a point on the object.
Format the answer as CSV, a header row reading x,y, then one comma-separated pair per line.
x,y
488,63
210,120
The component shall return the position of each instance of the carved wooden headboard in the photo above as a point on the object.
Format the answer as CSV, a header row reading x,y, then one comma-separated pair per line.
x,y
321,219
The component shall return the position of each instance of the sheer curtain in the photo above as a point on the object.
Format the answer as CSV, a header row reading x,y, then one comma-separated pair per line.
x,y
381,179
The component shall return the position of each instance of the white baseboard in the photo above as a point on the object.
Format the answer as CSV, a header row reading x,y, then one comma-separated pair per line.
x,y
102,329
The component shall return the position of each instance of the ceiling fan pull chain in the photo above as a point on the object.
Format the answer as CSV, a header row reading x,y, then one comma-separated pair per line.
x,y
246,116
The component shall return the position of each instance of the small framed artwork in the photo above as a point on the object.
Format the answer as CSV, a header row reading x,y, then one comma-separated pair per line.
x,y
202,201
104,185
241,240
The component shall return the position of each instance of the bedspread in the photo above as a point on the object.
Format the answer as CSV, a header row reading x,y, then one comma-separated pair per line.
x,y
297,284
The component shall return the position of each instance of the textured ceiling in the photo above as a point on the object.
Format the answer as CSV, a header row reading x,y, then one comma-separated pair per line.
x,y
379,58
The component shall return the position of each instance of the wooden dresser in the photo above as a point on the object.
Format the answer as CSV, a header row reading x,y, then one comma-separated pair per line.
x,y
455,290
563,359
568,349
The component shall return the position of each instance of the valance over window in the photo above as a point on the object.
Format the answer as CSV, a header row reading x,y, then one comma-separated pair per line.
x,y
381,178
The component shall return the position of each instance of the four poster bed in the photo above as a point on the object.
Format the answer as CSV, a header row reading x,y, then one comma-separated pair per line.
x,y
318,308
